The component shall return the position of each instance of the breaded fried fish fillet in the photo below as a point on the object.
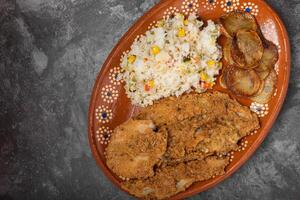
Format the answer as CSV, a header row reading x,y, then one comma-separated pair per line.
x,y
173,109
177,141
135,148
171,180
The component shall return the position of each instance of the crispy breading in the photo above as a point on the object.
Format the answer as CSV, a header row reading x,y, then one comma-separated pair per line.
x,y
216,132
171,180
135,148
174,109
191,142
189,132
240,117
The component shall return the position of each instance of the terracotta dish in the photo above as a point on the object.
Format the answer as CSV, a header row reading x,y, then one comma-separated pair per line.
x,y
110,107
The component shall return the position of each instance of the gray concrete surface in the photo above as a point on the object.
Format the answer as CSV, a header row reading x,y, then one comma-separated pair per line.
x,y
50,54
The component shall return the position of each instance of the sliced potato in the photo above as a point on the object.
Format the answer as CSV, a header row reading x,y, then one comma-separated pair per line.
x,y
263,74
224,32
267,92
243,82
235,21
269,57
222,81
261,35
261,88
236,55
227,51
250,45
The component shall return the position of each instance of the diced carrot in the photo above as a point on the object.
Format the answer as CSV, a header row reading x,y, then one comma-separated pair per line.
x,y
147,87
206,85
197,59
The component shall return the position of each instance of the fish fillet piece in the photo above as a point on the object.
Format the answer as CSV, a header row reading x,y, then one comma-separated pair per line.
x,y
191,131
240,117
217,132
183,138
171,180
135,148
205,169
190,143
173,109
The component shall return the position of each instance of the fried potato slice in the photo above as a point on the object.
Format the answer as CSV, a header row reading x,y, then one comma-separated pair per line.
x,y
263,74
267,92
222,81
235,21
227,51
242,82
224,32
247,49
261,88
237,56
269,58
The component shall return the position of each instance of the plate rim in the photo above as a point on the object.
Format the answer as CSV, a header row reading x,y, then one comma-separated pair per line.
x,y
255,145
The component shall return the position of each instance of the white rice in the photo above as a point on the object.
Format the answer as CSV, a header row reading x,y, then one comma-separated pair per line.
x,y
182,62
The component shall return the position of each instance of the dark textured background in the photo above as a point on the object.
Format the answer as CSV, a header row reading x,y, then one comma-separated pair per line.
x,y
50,54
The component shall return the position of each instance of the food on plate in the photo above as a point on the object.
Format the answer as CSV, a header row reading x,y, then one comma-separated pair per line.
x,y
171,110
194,125
261,87
247,49
250,58
177,56
197,138
178,141
222,81
235,21
227,51
244,82
269,59
268,90
263,74
176,178
135,149
183,133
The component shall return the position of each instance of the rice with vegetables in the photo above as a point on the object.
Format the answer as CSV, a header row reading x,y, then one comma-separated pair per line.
x,y
178,55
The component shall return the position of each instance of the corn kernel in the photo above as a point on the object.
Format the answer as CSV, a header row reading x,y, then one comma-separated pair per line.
x,y
151,83
160,23
155,50
203,76
181,16
182,68
211,63
186,22
220,65
131,59
181,32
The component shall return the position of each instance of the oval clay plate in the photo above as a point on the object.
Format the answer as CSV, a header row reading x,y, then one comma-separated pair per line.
x,y
110,107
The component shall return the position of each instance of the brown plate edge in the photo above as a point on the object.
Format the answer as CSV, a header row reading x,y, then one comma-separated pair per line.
x,y
250,151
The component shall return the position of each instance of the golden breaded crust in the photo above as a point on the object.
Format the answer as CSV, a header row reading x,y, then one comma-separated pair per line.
x,y
135,148
179,143
171,180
